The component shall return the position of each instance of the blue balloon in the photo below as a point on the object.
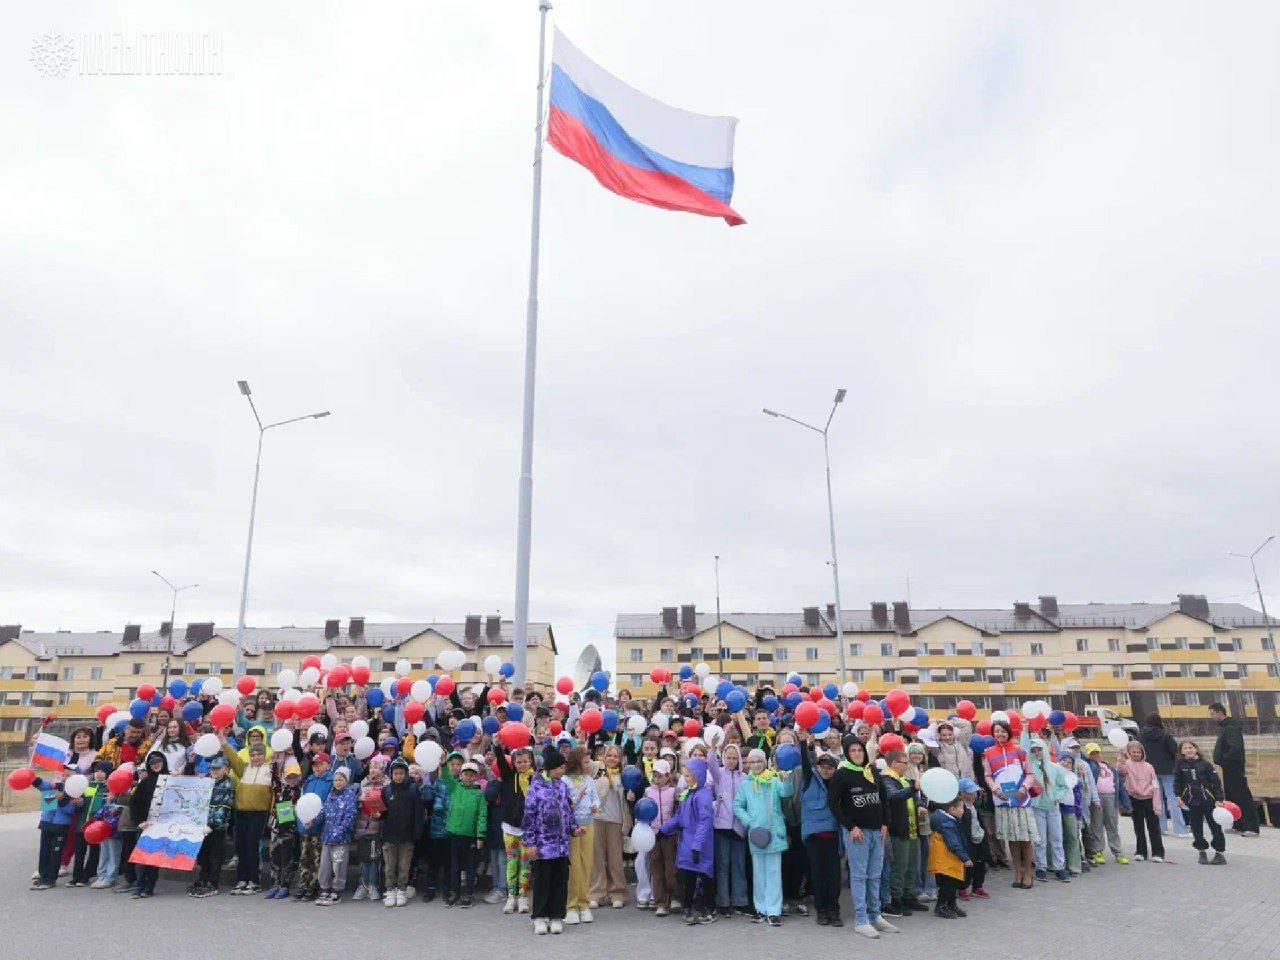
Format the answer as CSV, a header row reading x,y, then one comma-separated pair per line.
x,y
600,681
921,718
788,756
177,687
432,680
793,700
138,709
1057,718
515,711
376,697
743,690
981,743
686,672
632,778
490,725
192,711
465,730
646,810
507,670
389,713
795,678
610,721
691,702
770,702
723,689
822,724
194,689
157,698
831,691
735,701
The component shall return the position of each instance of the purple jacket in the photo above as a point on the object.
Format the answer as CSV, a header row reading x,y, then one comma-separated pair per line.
x,y
724,784
548,818
696,850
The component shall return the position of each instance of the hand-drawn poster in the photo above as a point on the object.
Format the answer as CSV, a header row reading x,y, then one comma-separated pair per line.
x,y
176,823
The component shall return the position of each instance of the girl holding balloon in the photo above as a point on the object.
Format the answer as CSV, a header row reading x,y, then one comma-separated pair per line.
x,y
1199,792
613,820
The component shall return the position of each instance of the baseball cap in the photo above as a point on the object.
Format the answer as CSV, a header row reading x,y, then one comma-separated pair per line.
x,y
472,766
967,785
321,757
1091,748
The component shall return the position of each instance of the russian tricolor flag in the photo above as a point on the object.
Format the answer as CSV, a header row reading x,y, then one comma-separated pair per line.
x,y
636,146
51,752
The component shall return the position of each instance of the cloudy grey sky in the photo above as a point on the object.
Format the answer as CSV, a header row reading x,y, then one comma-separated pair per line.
x,y
1036,242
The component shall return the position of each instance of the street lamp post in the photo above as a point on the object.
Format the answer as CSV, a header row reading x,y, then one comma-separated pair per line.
x,y
253,510
831,516
719,634
1253,565
173,622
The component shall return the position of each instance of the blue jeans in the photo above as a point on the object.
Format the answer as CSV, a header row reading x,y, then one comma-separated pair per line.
x,y
498,867
731,871
1170,809
1048,849
866,865
109,859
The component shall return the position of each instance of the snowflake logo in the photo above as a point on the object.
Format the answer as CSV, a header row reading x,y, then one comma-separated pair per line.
x,y
53,54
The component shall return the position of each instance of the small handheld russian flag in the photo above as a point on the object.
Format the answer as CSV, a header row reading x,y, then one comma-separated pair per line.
x,y
51,752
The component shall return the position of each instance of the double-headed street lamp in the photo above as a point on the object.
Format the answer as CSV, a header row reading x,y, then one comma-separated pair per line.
x,y
253,509
831,516
1275,655
173,621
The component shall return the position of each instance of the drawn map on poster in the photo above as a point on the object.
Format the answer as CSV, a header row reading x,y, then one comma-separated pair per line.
x,y
176,823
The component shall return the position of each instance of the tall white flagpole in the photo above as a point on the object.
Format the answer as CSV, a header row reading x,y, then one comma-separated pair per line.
x,y
520,641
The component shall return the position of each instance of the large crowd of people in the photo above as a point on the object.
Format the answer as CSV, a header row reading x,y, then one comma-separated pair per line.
x,y
725,803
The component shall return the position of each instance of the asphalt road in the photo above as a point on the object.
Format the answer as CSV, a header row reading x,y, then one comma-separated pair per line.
x,y
1117,913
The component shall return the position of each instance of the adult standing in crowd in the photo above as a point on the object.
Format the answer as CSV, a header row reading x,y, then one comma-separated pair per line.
x,y
1228,753
1162,753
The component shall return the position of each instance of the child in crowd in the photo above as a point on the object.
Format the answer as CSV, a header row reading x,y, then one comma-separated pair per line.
x,y
283,841
57,812
727,774
974,834
820,833
695,854
662,858
1199,792
402,825
948,858
319,782
586,804
218,825
337,825
1112,799
468,818
758,805
1143,787
613,822
85,859
547,828
516,772
109,849
903,800
153,767
433,874
368,835
858,802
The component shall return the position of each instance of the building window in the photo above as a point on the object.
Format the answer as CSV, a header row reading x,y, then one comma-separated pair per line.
x,y
1157,671
91,699
1164,700
31,673
1193,698
1271,670
95,673
1009,676
666,654
886,676
811,653
1113,645
1153,643
189,669
64,699
1037,649
1267,643
1244,670
1006,648
1247,698
1235,643
25,699
274,667
953,675
922,648
1122,697
886,649
1117,672
857,676
751,653
215,668
637,654
6,673
1082,645
137,669
377,664
926,675
1179,643
855,649
950,649
1086,671
637,679
781,654
695,653
1042,676
1211,643
1215,670
68,673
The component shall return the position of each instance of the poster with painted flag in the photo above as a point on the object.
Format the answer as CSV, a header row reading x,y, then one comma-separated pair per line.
x,y
50,752
175,823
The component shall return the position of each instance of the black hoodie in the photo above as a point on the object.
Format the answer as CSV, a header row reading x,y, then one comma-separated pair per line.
x,y
140,800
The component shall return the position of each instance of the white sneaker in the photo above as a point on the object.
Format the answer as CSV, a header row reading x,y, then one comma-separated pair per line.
x,y
401,899
495,896
585,916
390,899
618,904
361,892
373,895
557,926
594,905
660,912
884,926
540,927
1139,856
522,905
1157,859
867,930
101,885
570,917
675,904
510,905
409,891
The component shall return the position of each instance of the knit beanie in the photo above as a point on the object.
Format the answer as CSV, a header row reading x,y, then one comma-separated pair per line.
x,y
551,759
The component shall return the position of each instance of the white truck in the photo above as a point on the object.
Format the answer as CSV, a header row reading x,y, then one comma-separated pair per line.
x,y
1104,720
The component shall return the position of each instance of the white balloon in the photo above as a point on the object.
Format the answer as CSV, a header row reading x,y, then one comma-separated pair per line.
x,y
637,724
207,745
359,728
940,785
702,669
292,695
308,807
328,662
385,685
999,716
709,684
1222,816
364,748
906,715
492,664
211,687
120,716
281,740
230,696
713,733
420,691
76,785
403,667
642,838
360,660
661,721
456,659
319,728
428,755
419,728
309,676
287,678
849,690
1118,737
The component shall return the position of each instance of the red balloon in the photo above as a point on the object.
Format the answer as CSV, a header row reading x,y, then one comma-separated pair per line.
x,y
890,741
863,695
96,832
1015,722
966,710
1037,722
308,706
984,728
22,778
403,686
656,675
360,674
515,735
807,714
691,689
855,709
413,711
692,727
246,685
1232,807
827,705
146,691
872,714
311,661
167,703
815,694
590,721
555,728
789,688
897,701
445,686
222,716
339,675
104,711
565,685
1069,721
285,710
119,781
497,695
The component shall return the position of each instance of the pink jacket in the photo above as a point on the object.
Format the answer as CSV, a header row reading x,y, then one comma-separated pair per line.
x,y
665,798
1140,780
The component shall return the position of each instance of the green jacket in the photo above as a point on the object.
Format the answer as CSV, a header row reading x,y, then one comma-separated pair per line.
x,y
468,810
